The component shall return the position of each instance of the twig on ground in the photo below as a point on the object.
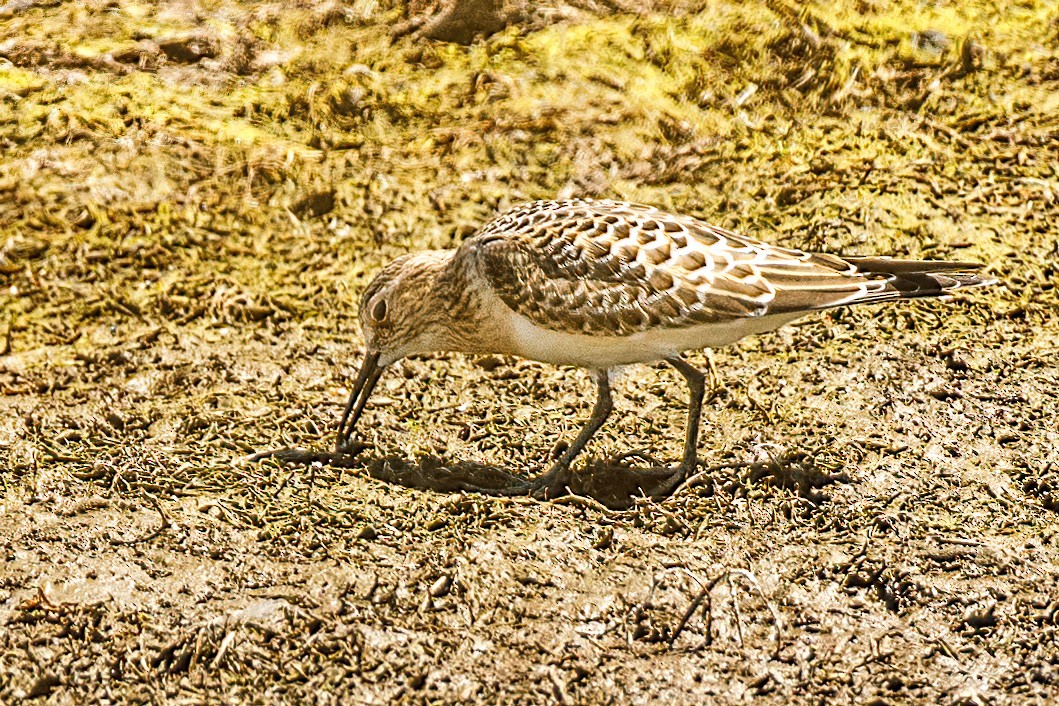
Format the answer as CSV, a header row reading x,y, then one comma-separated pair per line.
x,y
735,608
706,595
584,501
703,594
166,524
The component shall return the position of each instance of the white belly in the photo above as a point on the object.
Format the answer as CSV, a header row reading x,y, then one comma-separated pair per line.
x,y
599,352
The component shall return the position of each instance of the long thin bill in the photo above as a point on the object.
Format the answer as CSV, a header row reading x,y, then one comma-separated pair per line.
x,y
362,389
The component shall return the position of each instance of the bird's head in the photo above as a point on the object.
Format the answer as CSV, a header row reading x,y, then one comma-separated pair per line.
x,y
396,316
399,316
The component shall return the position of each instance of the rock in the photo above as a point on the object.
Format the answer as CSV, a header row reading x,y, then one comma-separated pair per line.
x,y
189,49
464,20
931,41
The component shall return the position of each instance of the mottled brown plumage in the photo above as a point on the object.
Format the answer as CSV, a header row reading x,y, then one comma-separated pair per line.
x,y
608,268
601,284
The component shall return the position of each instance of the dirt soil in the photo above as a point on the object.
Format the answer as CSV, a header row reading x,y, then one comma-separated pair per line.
x,y
193,195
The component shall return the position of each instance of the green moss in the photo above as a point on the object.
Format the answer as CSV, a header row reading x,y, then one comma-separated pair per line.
x,y
736,112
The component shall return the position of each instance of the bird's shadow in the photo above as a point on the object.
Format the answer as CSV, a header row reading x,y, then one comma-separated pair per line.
x,y
427,472
612,483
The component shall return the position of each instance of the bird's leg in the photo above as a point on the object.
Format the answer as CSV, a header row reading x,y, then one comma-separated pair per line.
x,y
558,475
711,374
697,387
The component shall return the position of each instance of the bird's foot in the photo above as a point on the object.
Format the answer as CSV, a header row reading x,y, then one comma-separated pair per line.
x,y
552,484
616,483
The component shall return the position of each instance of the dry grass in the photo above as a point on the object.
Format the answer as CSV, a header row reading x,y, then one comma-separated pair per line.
x,y
193,194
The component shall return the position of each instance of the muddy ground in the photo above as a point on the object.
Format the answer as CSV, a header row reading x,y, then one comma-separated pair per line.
x,y
192,196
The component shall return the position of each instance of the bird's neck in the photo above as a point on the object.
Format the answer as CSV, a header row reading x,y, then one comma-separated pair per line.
x,y
464,311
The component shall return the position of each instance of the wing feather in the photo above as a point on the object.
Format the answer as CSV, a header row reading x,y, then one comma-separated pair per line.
x,y
614,268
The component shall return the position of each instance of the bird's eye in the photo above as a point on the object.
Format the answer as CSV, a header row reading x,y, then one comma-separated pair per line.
x,y
378,312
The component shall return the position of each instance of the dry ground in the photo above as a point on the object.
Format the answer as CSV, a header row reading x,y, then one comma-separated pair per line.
x,y
192,196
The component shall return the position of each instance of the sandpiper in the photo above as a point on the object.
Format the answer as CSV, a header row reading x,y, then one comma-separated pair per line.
x,y
602,284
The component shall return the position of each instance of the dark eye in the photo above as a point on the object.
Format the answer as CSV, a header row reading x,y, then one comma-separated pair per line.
x,y
378,312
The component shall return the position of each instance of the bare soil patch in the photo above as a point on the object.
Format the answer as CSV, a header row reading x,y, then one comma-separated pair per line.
x,y
192,196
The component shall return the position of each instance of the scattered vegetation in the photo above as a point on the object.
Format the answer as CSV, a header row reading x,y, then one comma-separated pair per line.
x,y
192,196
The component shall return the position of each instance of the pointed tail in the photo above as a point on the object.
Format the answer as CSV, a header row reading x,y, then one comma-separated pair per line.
x,y
911,279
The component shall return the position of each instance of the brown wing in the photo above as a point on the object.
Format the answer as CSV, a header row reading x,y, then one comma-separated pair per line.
x,y
613,268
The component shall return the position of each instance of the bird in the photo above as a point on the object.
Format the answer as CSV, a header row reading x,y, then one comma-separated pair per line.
x,y
602,284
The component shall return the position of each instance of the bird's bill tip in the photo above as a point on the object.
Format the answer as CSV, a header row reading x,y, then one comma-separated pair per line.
x,y
363,386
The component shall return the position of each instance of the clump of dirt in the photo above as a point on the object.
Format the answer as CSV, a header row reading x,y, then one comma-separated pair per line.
x,y
193,195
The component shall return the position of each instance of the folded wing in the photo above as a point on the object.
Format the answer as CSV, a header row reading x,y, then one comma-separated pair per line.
x,y
613,268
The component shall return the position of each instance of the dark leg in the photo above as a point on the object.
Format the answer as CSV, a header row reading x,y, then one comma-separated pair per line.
x,y
558,475
697,387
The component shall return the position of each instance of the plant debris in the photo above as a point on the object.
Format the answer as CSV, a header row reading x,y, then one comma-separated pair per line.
x,y
192,198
